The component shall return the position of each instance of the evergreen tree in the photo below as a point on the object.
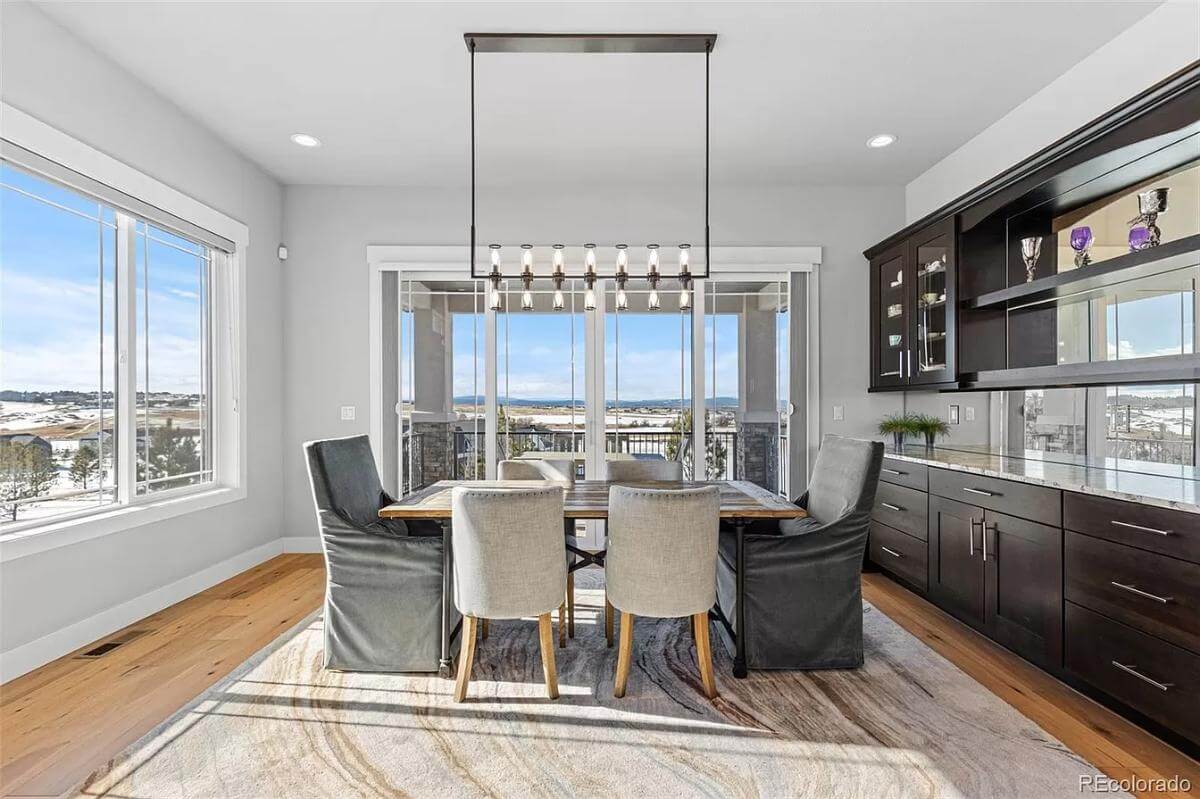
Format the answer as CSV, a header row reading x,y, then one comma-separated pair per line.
x,y
85,465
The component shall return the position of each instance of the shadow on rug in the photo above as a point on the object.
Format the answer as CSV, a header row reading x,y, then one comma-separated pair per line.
x,y
907,724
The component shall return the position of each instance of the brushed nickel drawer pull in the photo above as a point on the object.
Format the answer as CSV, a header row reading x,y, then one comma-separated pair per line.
x,y
890,506
979,491
1135,590
1162,686
1132,526
891,552
893,471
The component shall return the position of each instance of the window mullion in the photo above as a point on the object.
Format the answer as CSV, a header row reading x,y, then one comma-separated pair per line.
x,y
126,388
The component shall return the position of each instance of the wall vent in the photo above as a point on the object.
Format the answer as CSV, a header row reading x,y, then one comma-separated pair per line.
x,y
100,650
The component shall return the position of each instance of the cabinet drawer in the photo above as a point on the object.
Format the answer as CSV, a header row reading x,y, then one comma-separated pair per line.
x,y
905,473
1006,496
1171,532
1159,679
902,508
901,554
1151,592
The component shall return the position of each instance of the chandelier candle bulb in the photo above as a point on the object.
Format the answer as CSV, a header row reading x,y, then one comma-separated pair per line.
x,y
526,260
683,258
495,248
622,259
652,259
558,259
494,295
589,258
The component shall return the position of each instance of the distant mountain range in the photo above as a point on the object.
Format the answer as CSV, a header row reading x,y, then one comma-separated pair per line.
x,y
709,402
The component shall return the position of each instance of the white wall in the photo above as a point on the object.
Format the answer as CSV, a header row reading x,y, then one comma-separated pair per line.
x,y
1163,42
53,76
327,230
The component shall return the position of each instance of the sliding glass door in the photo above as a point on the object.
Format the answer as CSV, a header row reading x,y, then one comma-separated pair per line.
x,y
706,384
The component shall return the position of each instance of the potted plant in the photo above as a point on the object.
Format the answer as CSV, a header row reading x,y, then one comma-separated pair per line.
x,y
898,425
931,427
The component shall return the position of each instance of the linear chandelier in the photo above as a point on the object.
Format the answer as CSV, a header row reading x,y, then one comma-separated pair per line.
x,y
620,274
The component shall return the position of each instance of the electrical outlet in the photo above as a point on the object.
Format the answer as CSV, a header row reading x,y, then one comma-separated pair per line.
x,y
970,413
347,413
839,413
953,414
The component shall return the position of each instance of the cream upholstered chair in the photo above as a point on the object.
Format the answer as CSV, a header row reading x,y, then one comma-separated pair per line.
x,y
662,562
509,562
636,471
643,471
560,471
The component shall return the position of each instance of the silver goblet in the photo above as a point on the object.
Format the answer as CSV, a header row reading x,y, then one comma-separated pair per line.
x,y
1031,250
1151,203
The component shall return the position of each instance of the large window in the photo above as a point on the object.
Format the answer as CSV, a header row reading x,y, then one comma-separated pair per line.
x,y
82,281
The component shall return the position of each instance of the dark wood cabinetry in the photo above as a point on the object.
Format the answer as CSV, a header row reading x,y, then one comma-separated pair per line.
x,y
1100,592
913,302
955,305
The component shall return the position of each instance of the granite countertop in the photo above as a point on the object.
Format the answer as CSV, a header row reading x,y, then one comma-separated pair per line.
x,y
1176,487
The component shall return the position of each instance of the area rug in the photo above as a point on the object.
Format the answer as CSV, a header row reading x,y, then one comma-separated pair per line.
x,y
908,724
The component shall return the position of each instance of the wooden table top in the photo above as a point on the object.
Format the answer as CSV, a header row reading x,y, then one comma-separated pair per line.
x,y
588,499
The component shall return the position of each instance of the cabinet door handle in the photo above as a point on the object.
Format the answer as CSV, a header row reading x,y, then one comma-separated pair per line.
x,y
890,506
971,537
1135,590
1140,527
894,471
979,491
1162,686
983,528
900,356
891,552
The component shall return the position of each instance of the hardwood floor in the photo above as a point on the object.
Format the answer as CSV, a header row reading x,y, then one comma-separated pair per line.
x,y
66,719
61,722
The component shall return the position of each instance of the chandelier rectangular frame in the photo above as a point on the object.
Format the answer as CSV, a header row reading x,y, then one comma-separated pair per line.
x,y
591,43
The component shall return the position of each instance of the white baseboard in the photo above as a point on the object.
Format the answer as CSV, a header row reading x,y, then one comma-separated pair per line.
x,y
301,543
38,652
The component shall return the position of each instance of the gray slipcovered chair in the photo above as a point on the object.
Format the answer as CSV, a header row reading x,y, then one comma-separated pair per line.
x,y
662,562
508,563
383,590
803,589
643,470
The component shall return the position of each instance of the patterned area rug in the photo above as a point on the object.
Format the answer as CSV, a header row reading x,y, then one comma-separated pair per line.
x,y
908,724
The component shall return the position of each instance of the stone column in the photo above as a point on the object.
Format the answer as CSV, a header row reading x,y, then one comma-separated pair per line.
x,y
758,414
433,403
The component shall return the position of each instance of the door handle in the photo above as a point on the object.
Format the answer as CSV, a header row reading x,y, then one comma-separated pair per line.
x,y
979,491
1135,590
891,552
890,506
971,537
983,528
909,364
1162,686
893,471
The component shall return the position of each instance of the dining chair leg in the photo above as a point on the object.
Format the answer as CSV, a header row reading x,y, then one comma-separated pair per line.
x,y
624,654
609,612
546,636
465,657
704,654
562,624
570,604
483,629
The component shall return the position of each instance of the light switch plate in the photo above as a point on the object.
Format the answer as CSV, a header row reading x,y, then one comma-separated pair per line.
x,y
970,410
347,413
839,413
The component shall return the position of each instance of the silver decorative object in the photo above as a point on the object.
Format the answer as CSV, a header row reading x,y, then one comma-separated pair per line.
x,y
1031,250
1151,203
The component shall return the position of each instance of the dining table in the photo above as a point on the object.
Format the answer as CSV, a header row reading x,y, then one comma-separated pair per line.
x,y
740,503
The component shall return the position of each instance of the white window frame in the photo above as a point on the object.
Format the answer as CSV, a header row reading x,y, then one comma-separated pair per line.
x,y
435,263
228,348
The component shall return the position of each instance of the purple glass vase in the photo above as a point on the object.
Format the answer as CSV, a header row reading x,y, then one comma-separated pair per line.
x,y
1081,241
1139,238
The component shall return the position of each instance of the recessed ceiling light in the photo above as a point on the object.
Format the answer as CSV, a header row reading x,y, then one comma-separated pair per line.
x,y
882,140
305,140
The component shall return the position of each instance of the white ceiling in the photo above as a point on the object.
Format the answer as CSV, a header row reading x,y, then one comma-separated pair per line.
x,y
797,88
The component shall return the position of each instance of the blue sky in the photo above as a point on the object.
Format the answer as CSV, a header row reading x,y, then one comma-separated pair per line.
x,y
539,356
50,294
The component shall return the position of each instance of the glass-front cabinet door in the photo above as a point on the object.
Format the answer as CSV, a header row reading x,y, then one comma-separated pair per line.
x,y
891,318
932,304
